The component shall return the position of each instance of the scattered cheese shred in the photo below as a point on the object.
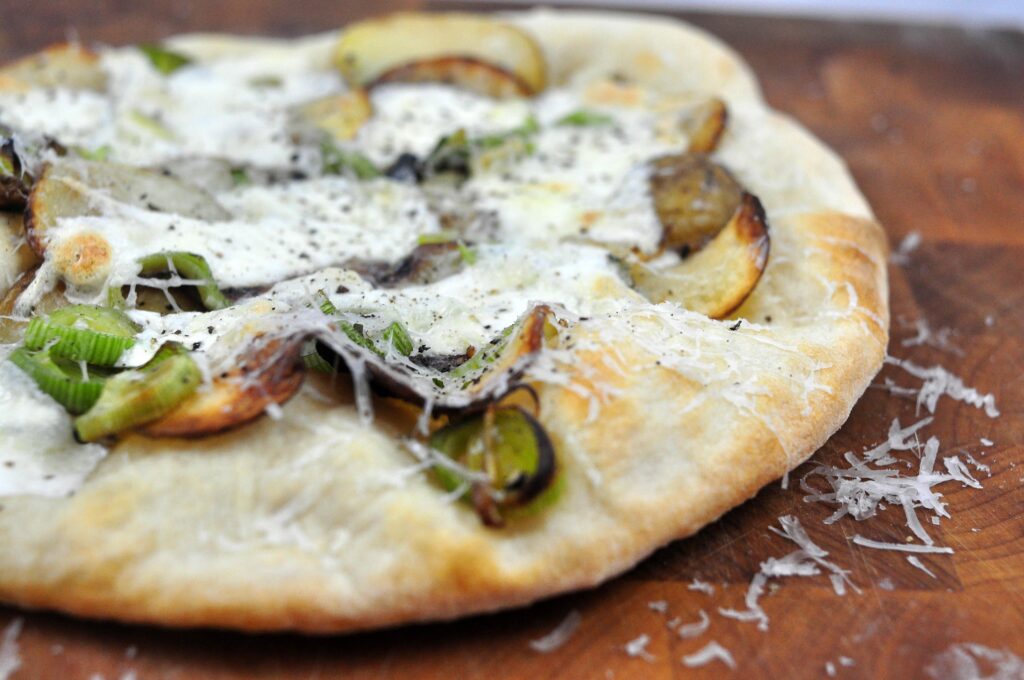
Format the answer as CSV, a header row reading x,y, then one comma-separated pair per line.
x,y
658,606
926,335
939,382
909,244
701,586
712,651
971,661
802,562
10,660
637,647
916,562
692,630
902,547
559,636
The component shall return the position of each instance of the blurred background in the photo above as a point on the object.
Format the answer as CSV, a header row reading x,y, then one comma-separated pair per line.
x,y
1009,13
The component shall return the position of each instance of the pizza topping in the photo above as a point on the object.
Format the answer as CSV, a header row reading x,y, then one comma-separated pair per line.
x,y
68,66
694,198
717,279
138,396
186,269
265,373
371,49
164,60
14,181
515,456
68,382
339,115
705,124
585,118
97,335
467,73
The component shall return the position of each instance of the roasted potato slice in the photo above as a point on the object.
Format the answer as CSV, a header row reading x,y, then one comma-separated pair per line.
x,y
339,115
371,48
63,191
15,182
16,257
65,65
466,73
11,328
269,373
704,125
693,197
715,280
426,264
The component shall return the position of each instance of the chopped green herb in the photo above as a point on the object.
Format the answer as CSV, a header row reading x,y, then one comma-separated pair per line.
x,y
150,124
240,177
585,118
529,127
266,81
468,255
164,60
398,337
187,266
326,306
100,153
337,161
436,237
356,334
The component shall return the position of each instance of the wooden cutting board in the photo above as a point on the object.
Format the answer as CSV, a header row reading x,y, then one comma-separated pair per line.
x,y
931,121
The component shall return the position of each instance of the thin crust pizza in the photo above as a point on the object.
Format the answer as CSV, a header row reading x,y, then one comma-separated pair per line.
x,y
433,315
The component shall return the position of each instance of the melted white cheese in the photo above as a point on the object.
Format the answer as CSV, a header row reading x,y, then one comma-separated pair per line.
x,y
275,233
472,307
38,454
238,108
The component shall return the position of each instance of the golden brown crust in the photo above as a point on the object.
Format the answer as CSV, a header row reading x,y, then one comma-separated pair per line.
x,y
311,522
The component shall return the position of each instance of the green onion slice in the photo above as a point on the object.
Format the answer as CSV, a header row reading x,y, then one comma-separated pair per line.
x,y
60,378
515,456
132,398
187,266
164,60
585,118
97,335
150,124
398,337
338,161
313,360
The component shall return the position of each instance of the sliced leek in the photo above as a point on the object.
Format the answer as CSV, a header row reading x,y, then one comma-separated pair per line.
x,y
188,266
70,384
164,60
97,335
511,460
133,398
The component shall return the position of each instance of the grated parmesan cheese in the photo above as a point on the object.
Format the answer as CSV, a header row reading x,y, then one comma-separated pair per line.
x,y
909,244
559,636
712,651
972,661
637,647
916,562
939,382
939,339
701,586
692,630
10,660
803,562
903,547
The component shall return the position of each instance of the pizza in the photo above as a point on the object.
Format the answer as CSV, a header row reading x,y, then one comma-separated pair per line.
x,y
432,315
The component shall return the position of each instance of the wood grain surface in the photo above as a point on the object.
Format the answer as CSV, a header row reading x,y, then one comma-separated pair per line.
x,y
931,121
